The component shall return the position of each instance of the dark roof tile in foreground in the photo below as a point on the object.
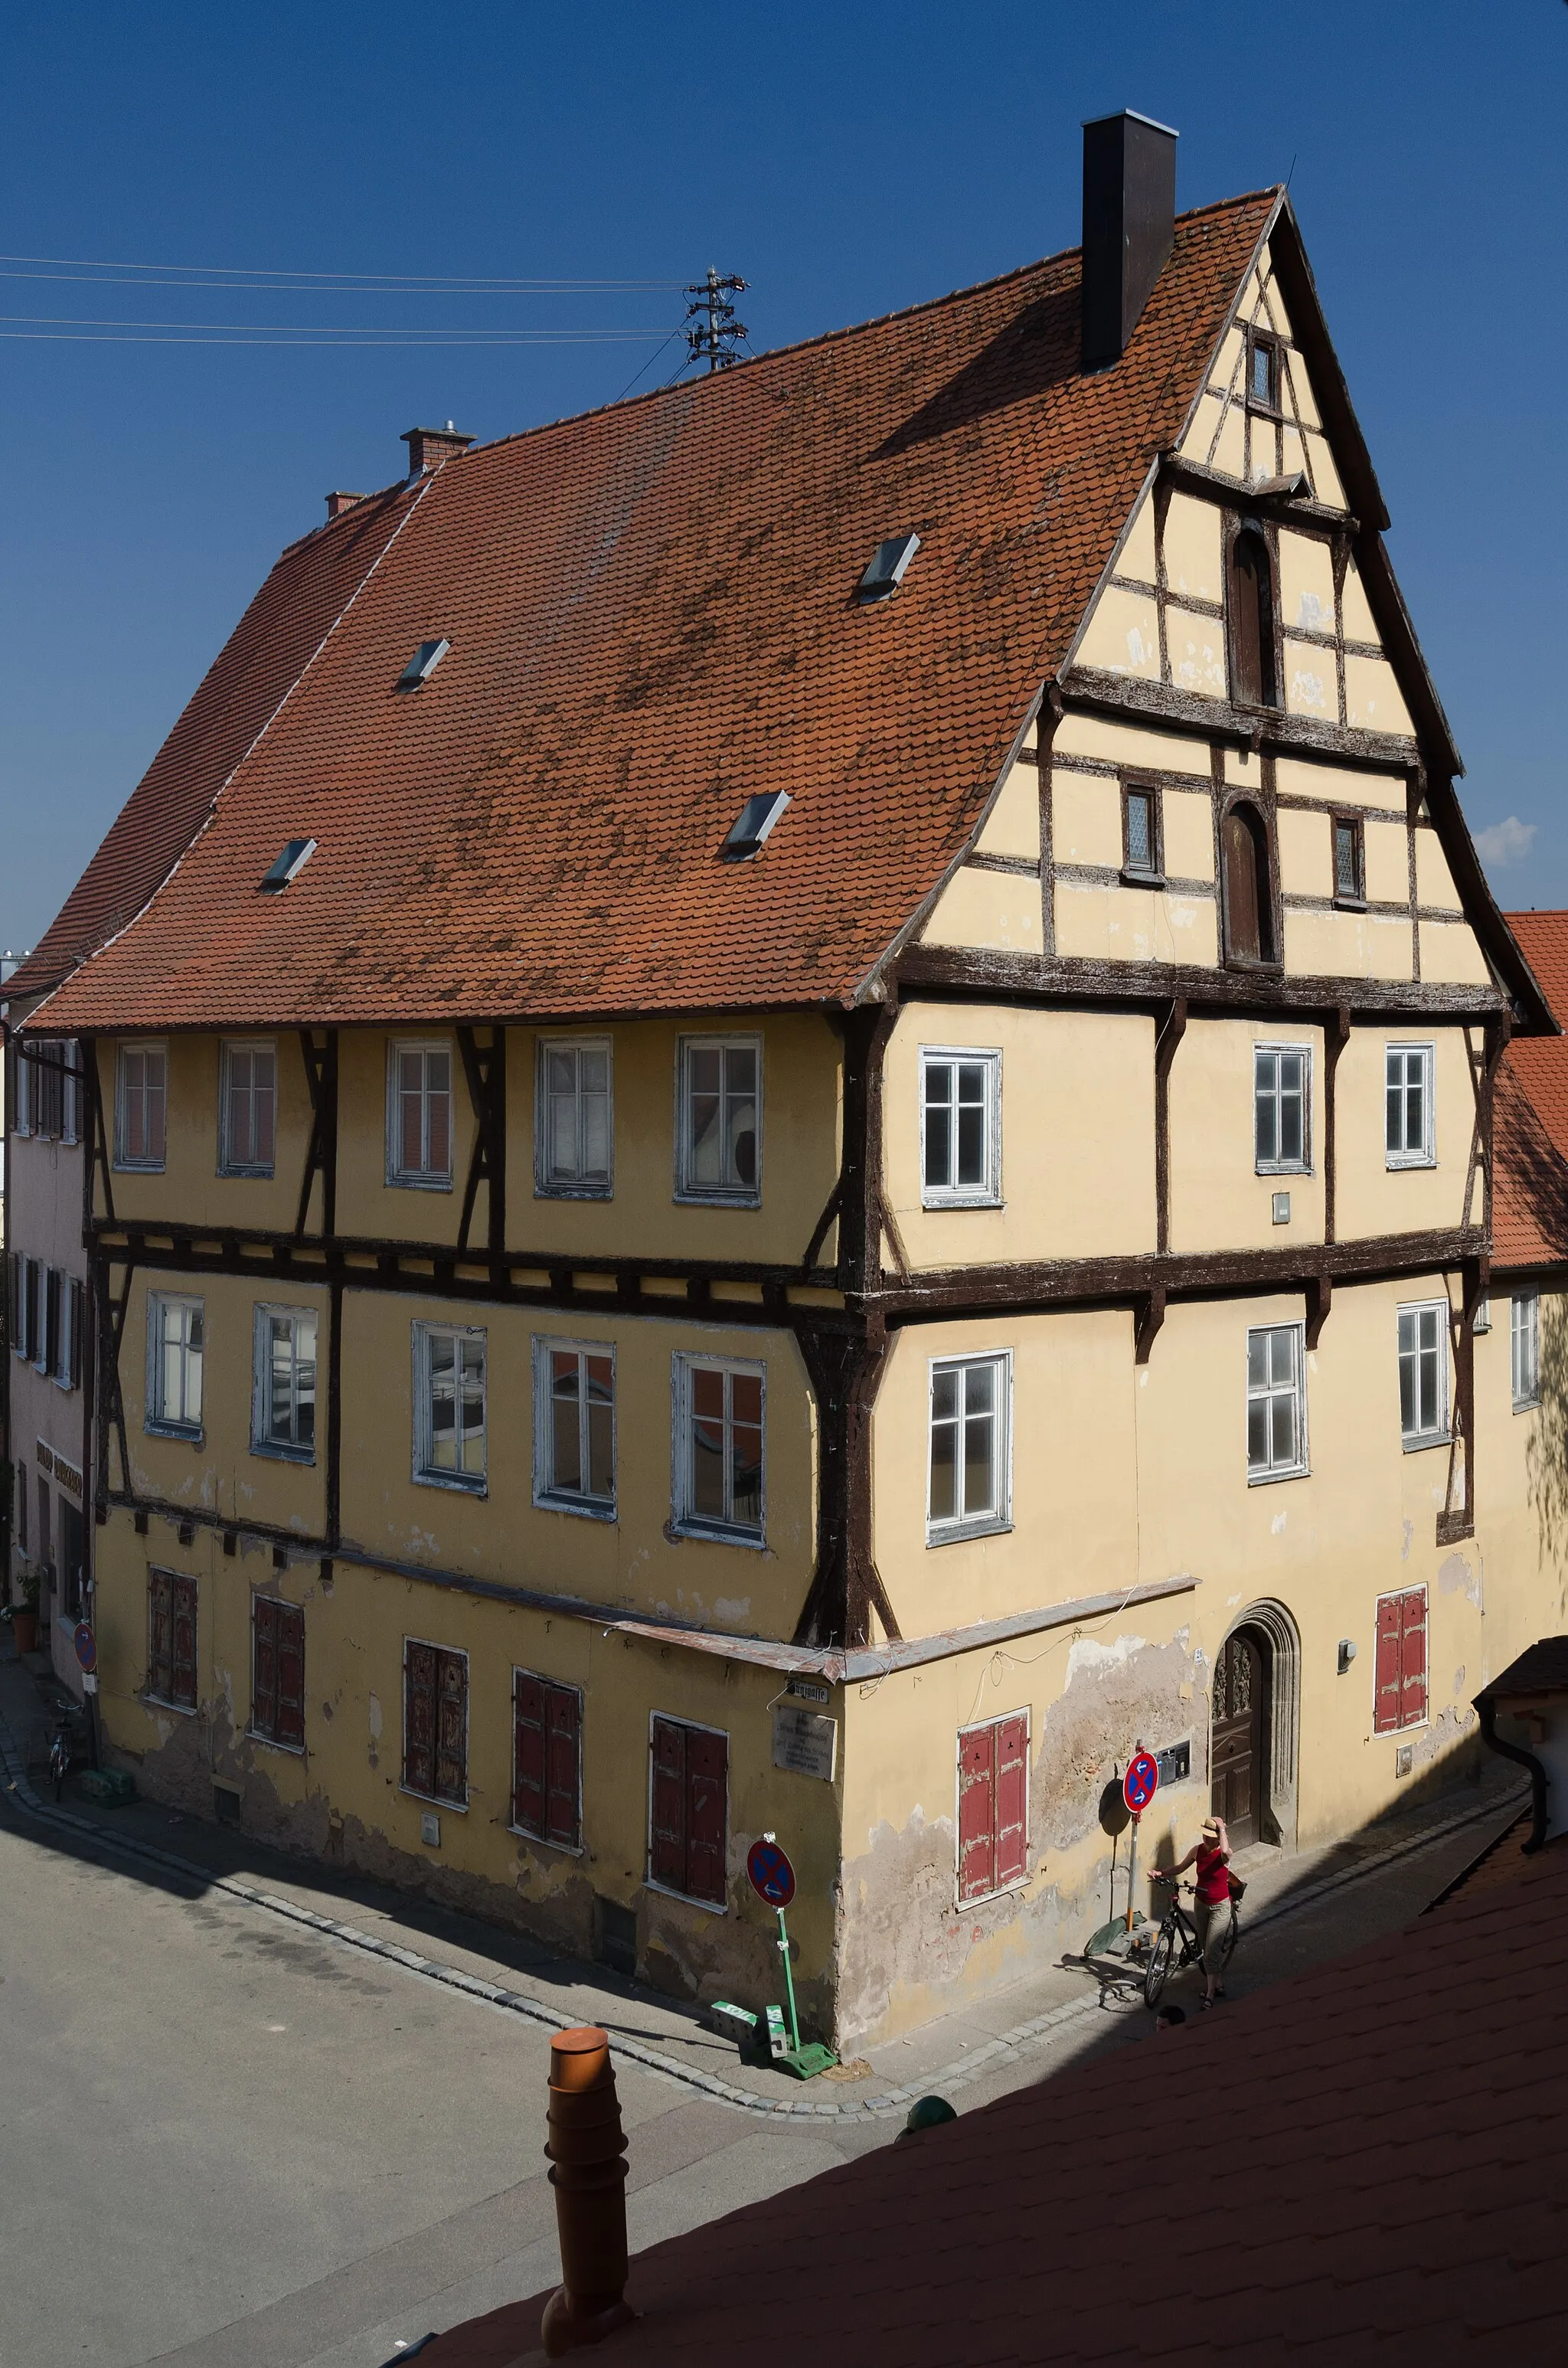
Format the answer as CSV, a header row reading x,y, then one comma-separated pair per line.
x,y
651,614
1367,2163
1542,1667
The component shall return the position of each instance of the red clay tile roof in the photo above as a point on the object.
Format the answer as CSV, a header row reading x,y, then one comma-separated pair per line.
x,y
1542,1667
652,618
1530,1206
1369,2163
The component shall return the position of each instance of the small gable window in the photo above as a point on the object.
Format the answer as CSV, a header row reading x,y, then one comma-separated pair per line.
x,y
1254,674
1141,855
1349,870
1249,902
1263,373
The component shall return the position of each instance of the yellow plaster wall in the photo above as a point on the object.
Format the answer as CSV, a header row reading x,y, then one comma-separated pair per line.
x,y
1434,881
1196,648
1122,635
1189,821
1137,746
801,1062
367,1203
1372,1198
1311,680
1086,818
1451,954
1001,909
189,1185
1193,560
1347,945
1012,827
1217,1202
220,1473
1055,1064
1387,848
1372,700
1306,584
1343,785
1306,854
1134,924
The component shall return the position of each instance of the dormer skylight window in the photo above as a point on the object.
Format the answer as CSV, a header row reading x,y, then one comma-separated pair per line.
x,y
290,864
1263,372
758,817
886,571
422,664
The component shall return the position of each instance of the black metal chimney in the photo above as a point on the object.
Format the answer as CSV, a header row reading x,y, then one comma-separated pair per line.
x,y
1129,227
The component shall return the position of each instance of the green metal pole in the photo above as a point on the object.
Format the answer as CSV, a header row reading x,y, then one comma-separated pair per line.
x,y
789,1984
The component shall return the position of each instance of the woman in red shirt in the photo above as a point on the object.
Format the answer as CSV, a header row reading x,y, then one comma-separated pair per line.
x,y
1211,1856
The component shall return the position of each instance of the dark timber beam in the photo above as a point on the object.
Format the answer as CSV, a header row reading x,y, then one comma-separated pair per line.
x,y
938,971
1125,695
1283,510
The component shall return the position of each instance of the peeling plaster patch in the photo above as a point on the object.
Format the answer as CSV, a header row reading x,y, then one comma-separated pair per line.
x,y
732,1608
1456,1577
1276,1529
1459,1680
1230,1603
1445,1731
1409,1533
1308,690
376,1717
1309,616
1136,653
1087,1656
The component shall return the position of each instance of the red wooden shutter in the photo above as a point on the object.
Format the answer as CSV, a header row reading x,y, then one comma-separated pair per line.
x,y
1412,1658
183,1688
528,1754
160,1633
451,1727
1011,1800
563,1808
264,1659
977,1812
290,1712
707,1774
669,1850
1388,1675
419,1717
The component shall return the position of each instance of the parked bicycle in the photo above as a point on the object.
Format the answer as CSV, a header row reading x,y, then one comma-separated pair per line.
x,y
63,1744
1177,1932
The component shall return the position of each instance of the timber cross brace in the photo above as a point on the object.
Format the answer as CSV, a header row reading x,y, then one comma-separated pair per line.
x,y
485,1068
321,1152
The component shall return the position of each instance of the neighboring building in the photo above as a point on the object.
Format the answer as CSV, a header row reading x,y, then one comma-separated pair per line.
x,y
797,1139
48,1432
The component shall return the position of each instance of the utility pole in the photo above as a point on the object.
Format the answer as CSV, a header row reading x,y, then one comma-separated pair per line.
x,y
714,339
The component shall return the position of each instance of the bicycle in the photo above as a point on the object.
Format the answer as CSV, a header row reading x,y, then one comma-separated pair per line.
x,y
62,1745
1177,1925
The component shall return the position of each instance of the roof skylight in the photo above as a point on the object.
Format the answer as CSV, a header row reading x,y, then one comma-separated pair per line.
x,y
758,817
422,664
290,864
885,573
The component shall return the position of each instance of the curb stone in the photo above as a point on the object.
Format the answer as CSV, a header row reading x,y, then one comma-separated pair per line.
x,y
960,2074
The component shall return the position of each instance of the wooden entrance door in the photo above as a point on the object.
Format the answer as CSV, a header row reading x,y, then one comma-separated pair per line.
x,y
1235,1761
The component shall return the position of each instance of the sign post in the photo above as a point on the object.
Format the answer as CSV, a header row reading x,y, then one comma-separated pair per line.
x,y
1139,1787
773,1878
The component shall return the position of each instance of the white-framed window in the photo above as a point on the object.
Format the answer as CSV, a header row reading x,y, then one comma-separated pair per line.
x,y
176,1343
575,1426
419,1116
48,1329
47,1094
141,1106
283,1396
1407,1129
1424,1373
1281,1105
247,1109
449,1406
719,1475
1277,1402
968,1488
719,1119
961,1128
1524,1349
573,1119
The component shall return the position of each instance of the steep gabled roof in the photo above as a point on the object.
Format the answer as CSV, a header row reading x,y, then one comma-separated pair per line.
x,y
1529,1201
652,618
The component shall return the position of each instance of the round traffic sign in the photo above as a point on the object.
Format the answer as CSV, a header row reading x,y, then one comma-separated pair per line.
x,y
772,1876
1142,1781
86,1645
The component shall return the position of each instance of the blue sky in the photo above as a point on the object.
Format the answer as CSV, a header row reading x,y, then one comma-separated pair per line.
x,y
846,159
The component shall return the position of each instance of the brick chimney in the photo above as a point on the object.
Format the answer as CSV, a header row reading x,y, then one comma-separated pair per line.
x,y
337,503
428,447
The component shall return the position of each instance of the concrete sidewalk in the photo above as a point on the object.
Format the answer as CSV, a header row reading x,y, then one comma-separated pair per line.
x,y
991,2042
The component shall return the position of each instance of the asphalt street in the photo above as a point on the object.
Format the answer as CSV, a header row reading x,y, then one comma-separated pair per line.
x,y
229,2143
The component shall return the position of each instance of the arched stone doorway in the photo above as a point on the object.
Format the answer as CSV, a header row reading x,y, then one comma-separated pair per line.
x,y
1254,1712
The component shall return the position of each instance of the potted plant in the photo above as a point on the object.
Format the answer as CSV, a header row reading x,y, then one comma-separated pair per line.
x,y
24,1619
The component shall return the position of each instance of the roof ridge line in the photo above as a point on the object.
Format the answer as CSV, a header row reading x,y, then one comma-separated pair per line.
x,y
847,329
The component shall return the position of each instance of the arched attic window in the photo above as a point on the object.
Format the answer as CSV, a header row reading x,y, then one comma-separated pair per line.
x,y
1249,899
1254,673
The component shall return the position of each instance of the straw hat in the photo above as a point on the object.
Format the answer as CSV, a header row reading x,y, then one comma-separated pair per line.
x,y
1211,1829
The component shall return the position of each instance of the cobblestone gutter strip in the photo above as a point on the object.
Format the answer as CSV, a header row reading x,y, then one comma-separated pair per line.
x,y
970,2067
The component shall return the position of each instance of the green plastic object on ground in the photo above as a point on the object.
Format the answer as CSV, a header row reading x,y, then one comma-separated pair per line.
x,y
112,1786
928,2113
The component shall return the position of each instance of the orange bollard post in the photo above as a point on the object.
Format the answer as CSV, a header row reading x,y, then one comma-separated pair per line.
x,y
587,2158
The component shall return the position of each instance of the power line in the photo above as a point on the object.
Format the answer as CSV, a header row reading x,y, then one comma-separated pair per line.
x,y
370,342
243,275
324,329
